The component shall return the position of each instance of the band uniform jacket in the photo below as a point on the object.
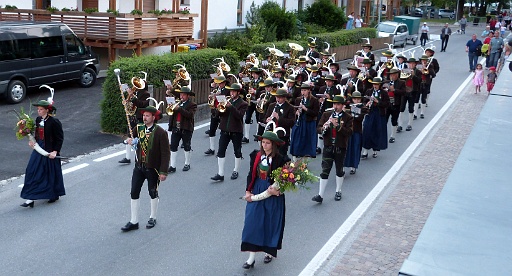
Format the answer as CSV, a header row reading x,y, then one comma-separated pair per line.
x,y
140,100
382,100
270,99
332,91
53,134
370,74
186,111
395,97
350,90
370,56
286,119
313,106
232,119
343,131
427,78
158,152
413,81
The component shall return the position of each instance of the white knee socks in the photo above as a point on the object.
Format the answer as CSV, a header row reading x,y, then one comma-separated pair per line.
x,y
237,164
247,129
321,188
187,158
411,115
252,256
212,143
220,162
128,152
135,211
154,207
174,154
393,131
339,183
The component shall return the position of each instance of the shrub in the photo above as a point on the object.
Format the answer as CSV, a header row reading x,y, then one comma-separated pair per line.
x,y
10,7
274,16
91,10
199,65
114,12
52,9
332,16
136,12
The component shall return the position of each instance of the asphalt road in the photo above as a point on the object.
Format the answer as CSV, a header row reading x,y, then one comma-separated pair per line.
x,y
199,222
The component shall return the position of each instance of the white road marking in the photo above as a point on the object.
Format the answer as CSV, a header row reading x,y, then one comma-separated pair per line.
x,y
321,257
75,168
109,156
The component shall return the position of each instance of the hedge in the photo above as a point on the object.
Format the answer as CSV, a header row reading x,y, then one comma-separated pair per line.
x,y
199,64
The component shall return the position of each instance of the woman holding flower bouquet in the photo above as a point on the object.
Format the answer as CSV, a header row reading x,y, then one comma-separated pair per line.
x,y
43,176
264,219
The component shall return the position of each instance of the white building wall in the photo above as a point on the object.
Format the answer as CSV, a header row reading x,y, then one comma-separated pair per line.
x,y
19,4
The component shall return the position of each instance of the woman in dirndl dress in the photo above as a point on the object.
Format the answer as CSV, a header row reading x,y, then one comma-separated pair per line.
x,y
303,140
43,176
264,220
375,131
358,110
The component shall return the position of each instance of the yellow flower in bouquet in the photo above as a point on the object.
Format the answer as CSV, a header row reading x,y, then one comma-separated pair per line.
x,y
25,125
293,176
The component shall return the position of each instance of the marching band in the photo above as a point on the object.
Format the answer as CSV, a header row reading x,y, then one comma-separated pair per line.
x,y
302,97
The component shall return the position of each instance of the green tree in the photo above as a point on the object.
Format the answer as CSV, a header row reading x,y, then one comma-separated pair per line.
x,y
326,14
276,17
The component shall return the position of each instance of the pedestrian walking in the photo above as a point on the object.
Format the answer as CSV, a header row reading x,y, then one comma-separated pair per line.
x,y
478,78
303,140
473,46
152,160
424,34
358,22
265,219
491,79
445,36
350,21
495,49
43,175
357,110
463,21
375,124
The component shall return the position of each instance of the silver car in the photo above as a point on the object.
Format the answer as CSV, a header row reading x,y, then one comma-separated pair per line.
x,y
443,13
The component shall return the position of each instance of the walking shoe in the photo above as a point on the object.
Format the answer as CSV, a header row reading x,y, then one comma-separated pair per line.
x,y
337,196
186,168
151,223
399,129
364,156
234,175
415,117
209,152
125,161
422,116
374,155
245,140
353,171
256,139
409,128
182,146
318,199
318,150
392,139
130,226
267,259
217,177
207,132
171,169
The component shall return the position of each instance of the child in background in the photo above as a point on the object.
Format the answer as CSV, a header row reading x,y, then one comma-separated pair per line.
x,y
491,79
478,78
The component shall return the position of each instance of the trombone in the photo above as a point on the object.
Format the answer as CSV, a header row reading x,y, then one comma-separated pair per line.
x,y
129,109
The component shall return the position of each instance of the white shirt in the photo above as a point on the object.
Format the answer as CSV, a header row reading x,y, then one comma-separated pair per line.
x,y
424,29
359,22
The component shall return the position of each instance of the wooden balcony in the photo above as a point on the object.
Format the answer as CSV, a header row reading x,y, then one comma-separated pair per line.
x,y
124,31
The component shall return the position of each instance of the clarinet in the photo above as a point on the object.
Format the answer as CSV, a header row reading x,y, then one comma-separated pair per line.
x,y
302,102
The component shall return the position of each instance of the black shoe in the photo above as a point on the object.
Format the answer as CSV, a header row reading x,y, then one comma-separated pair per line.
x,y
256,139
399,129
247,266
234,175
392,139
171,169
374,155
245,140
31,204
337,196
182,146
151,223
53,200
217,177
125,161
267,259
318,199
353,171
422,116
409,128
364,156
207,132
318,150
209,152
130,226
186,168
415,117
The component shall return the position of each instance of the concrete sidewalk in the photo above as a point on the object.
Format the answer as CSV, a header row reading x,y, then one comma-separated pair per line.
x,y
383,239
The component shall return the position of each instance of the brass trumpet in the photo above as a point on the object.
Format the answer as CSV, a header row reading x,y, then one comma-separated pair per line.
x,y
260,105
221,107
212,99
170,107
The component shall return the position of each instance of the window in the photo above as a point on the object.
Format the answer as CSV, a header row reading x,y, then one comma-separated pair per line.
x,y
47,47
185,2
239,14
74,45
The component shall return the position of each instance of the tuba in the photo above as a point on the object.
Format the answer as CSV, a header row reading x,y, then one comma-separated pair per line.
x,y
260,105
212,99
170,107
140,83
223,66
181,75
221,107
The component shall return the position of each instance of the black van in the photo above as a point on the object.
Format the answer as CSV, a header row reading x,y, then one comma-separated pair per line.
x,y
35,53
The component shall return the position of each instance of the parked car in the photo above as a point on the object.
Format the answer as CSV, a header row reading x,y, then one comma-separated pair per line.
x,y
444,13
418,12
398,30
33,54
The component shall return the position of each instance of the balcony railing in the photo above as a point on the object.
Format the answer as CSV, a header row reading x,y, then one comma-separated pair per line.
x,y
123,31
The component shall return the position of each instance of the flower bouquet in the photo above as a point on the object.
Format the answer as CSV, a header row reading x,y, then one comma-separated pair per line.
x,y
291,177
25,127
